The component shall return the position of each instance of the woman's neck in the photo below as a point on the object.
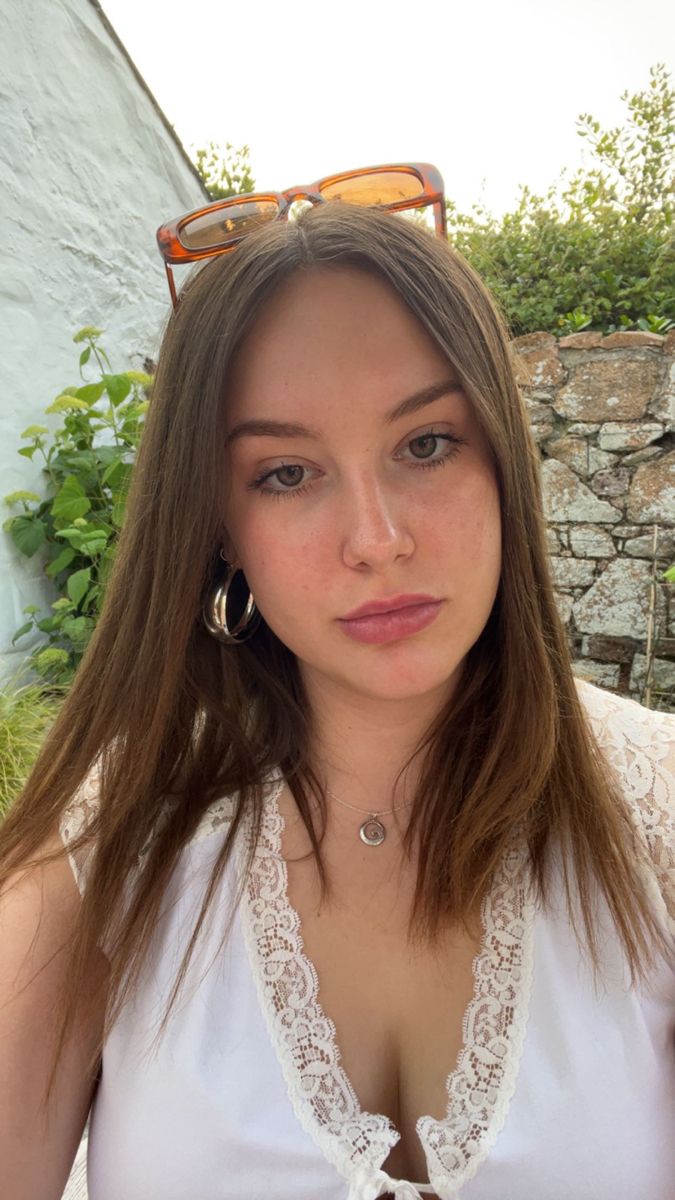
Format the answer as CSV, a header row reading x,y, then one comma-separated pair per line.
x,y
361,743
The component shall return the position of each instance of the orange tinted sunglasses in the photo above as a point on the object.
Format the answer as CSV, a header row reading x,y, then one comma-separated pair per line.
x,y
219,227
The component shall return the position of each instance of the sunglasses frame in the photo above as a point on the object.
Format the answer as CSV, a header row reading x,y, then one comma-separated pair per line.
x,y
173,251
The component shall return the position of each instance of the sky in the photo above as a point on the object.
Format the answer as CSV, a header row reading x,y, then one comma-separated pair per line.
x,y
489,92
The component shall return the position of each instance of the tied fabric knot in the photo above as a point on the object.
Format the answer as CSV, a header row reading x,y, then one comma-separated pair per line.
x,y
368,1184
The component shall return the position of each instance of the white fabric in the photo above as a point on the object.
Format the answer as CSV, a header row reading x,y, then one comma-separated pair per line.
x,y
563,1089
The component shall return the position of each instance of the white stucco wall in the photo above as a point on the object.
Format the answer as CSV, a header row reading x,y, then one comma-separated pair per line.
x,y
88,170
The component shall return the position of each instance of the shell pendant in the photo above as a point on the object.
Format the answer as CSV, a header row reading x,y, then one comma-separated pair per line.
x,y
372,832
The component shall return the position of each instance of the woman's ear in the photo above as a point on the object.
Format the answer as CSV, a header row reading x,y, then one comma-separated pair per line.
x,y
228,549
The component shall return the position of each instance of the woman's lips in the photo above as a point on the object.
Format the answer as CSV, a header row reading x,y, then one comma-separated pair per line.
x,y
388,604
391,624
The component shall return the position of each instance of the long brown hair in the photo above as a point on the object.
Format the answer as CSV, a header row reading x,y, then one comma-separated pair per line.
x,y
174,719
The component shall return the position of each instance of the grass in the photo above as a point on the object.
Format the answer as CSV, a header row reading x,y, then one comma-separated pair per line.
x,y
27,711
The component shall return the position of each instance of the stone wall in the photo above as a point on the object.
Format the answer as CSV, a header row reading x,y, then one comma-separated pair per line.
x,y
602,410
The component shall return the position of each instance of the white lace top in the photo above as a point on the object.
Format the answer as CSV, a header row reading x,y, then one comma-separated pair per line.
x,y
562,1090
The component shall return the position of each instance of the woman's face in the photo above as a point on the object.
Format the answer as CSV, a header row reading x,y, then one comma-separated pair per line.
x,y
359,476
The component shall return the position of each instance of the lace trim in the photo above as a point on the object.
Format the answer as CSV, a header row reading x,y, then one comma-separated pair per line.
x,y
217,815
639,745
75,819
304,1038
83,807
481,1087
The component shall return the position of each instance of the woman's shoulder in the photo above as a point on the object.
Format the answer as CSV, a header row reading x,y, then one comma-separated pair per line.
x,y
81,811
638,745
628,733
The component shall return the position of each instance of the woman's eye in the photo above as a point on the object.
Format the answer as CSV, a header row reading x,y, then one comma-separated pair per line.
x,y
292,478
433,447
284,480
289,476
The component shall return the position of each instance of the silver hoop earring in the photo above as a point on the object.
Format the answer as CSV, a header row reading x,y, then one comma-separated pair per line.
x,y
214,611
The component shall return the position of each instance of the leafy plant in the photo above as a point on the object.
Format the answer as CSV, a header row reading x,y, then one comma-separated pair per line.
x,y
598,247
87,461
576,321
26,713
224,172
653,324
634,162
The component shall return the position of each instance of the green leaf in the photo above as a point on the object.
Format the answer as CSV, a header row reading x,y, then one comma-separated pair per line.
x,y
78,629
49,624
141,378
31,608
51,657
88,333
118,512
93,597
107,560
62,604
27,451
78,583
64,402
117,387
28,534
93,546
22,632
70,501
82,464
107,454
62,675
69,533
61,561
117,475
85,356
670,574
19,497
90,393
34,431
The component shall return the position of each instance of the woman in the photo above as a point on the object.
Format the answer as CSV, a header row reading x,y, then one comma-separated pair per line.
x,y
375,898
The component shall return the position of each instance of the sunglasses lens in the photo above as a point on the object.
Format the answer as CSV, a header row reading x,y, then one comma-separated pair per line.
x,y
217,228
381,187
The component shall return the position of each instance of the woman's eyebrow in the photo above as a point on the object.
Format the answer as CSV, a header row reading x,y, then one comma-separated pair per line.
x,y
266,427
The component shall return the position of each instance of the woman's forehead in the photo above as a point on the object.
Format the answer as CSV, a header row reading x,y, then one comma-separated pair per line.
x,y
333,328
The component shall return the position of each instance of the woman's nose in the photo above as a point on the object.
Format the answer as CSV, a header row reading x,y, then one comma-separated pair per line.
x,y
376,527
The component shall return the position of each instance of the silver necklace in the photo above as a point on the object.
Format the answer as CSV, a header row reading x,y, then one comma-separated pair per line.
x,y
371,831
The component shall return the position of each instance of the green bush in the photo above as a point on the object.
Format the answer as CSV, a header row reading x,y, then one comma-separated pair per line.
x,y
88,462
597,251
26,713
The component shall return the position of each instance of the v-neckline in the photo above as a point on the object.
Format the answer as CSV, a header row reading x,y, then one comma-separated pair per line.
x,y
304,1038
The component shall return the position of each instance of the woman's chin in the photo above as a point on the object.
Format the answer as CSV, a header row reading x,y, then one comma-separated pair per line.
x,y
391,682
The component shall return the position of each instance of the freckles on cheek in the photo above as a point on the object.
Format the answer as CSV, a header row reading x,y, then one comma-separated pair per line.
x,y
474,526
311,565
281,559
483,542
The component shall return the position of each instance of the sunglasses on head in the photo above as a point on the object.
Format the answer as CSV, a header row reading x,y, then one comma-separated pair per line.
x,y
220,226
